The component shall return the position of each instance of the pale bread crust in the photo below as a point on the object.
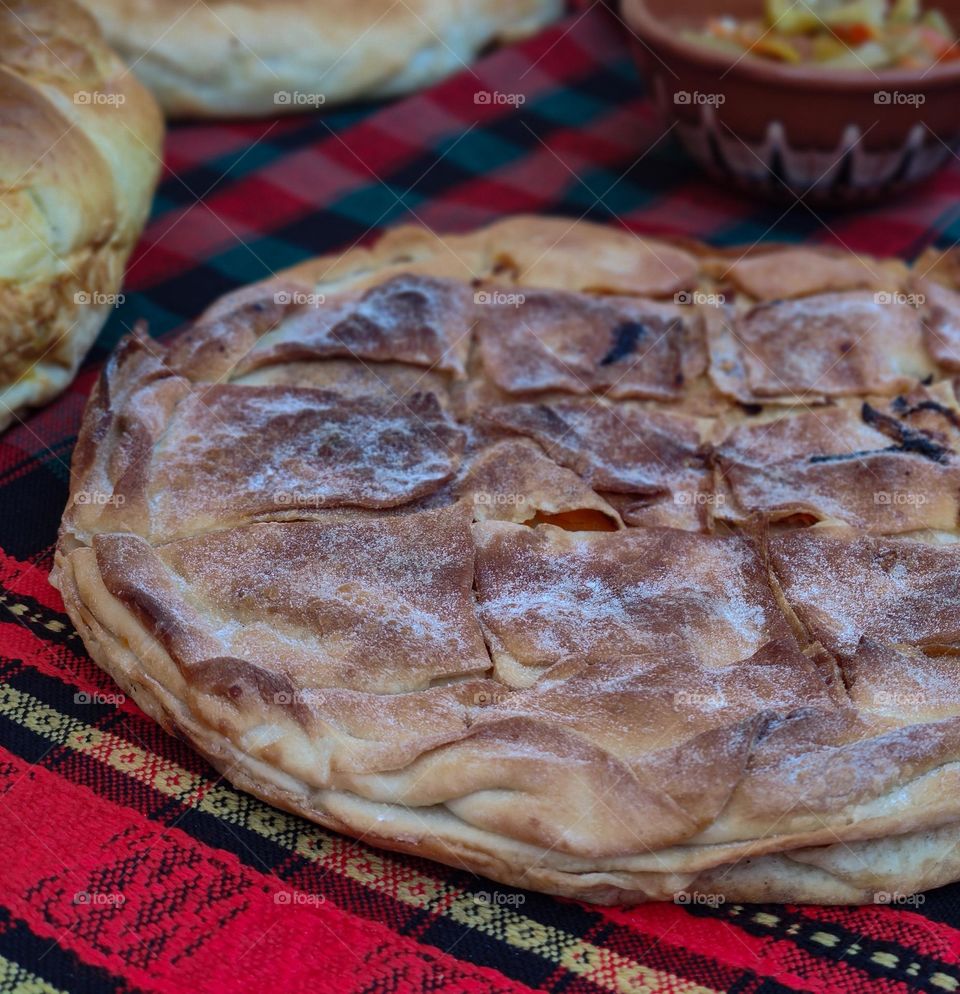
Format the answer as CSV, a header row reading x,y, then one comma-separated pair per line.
x,y
796,743
80,153
230,58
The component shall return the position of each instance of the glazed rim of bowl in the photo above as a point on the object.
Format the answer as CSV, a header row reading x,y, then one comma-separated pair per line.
x,y
649,28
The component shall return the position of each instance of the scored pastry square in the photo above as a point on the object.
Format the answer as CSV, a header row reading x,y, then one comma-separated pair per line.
x,y
820,346
545,594
576,343
587,562
853,463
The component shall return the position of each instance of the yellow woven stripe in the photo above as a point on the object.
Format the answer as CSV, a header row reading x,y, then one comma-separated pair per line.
x,y
14,979
603,967
374,870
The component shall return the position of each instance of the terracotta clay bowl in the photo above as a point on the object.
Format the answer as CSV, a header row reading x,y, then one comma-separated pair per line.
x,y
837,137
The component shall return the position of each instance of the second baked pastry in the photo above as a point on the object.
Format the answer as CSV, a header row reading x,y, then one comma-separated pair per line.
x,y
238,58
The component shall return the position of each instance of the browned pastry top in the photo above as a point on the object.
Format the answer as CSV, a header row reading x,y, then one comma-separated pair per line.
x,y
80,152
591,563
242,58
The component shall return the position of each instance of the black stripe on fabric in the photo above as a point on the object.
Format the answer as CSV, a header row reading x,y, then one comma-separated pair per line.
x,y
29,613
189,293
480,949
264,856
852,948
53,963
427,175
58,451
233,165
32,507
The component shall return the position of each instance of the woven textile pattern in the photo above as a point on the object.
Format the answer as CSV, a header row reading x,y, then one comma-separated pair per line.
x,y
126,864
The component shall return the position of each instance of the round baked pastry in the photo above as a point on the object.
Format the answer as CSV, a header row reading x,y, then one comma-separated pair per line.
x,y
597,565
80,147
237,58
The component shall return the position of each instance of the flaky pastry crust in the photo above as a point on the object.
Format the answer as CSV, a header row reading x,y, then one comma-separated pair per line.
x,y
237,58
605,566
80,152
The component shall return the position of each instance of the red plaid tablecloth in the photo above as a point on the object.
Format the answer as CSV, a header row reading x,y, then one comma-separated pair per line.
x,y
125,863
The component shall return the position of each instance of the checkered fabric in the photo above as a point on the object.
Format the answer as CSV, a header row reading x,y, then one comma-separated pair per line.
x,y
126,864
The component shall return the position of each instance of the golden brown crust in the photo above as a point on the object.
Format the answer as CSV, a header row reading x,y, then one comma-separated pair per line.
x,y
887,590
797,272
577,343
514,480
520,618
620,448
848,464
235,58
943,326
545,595
817,347
80,146
410,319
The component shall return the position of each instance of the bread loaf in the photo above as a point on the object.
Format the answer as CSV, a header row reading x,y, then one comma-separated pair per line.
x,y
80,152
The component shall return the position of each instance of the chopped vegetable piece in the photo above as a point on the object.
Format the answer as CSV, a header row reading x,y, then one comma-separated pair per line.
x,y
838,34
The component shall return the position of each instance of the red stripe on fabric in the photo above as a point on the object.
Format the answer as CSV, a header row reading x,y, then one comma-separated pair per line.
x,y
905,225
558,162
372,151
429,117
152,262
85,379
519,194
531,67
41,436
191,145
29,581
253,198
311,178
674,927
878,235
217,224
897,924
56,660
611,143
773,957
168,914
579,43
706,970
696,209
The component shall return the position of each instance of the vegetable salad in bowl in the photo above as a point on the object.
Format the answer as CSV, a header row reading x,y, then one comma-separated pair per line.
x,y
837,34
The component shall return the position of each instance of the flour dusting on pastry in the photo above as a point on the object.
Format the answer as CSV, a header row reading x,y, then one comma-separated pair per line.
x,y
592,563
